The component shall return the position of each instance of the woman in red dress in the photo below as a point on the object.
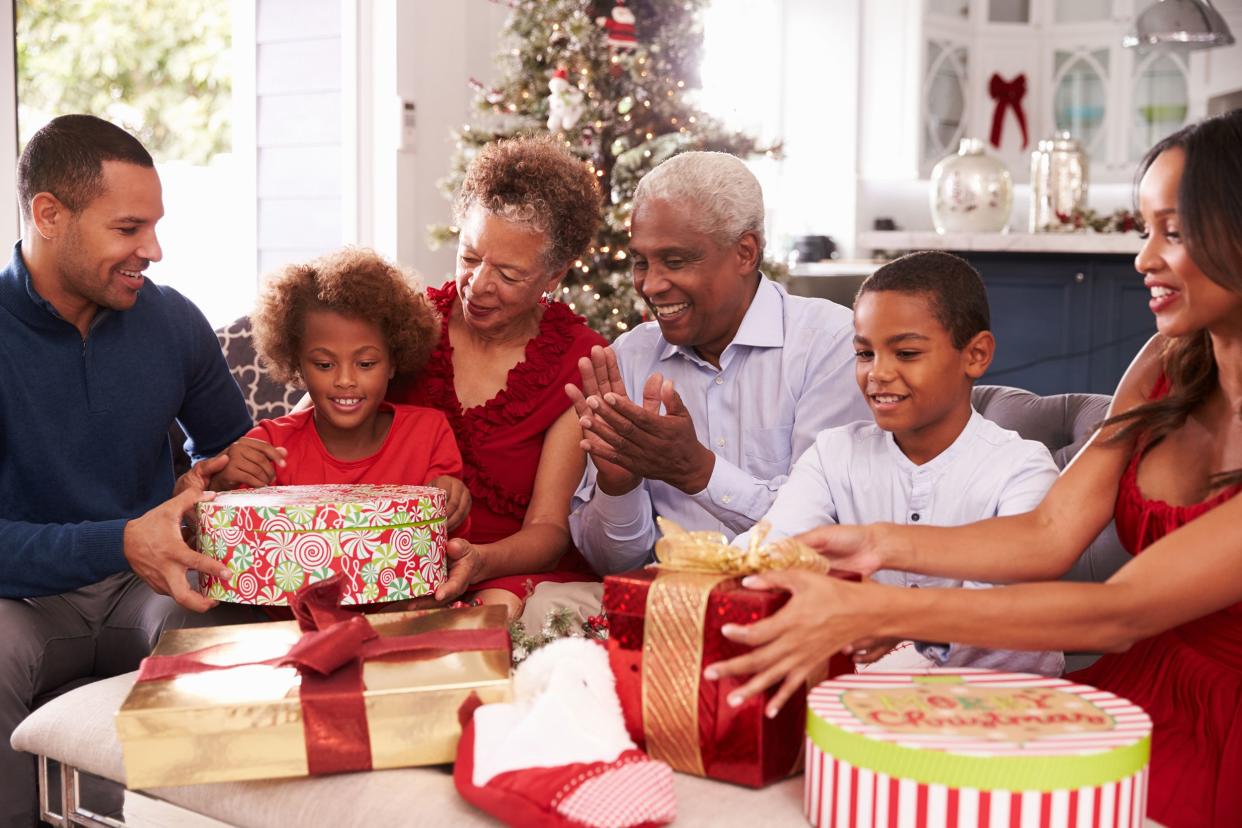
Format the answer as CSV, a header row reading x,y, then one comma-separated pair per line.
x,y
1167,464
527,210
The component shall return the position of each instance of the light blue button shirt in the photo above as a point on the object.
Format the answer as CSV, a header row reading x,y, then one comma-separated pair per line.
x,y
858,474
787,375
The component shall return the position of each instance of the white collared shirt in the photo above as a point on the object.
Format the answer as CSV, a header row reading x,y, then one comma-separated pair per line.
x,y
787,375
857,474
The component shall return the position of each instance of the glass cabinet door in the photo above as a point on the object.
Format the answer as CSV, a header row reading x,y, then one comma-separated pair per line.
x,y
1161,100
952,9
1009,11
944,99
1080,95
1082,11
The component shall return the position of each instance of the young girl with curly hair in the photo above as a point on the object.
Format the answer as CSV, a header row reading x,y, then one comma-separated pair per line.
x,y
344,326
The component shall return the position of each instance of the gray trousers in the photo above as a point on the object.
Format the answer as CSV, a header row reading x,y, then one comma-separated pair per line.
x,y
47,644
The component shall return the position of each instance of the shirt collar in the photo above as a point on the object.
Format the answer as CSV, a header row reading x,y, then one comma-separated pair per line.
x,y
18,294
945,458
763,325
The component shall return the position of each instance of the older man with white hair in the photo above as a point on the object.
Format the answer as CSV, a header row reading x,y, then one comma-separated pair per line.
x,y
699,415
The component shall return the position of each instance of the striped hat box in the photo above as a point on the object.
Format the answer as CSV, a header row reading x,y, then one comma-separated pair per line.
x,y
956,748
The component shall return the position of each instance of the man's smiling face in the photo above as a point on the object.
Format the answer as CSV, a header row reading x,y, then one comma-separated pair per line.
x,y
697,288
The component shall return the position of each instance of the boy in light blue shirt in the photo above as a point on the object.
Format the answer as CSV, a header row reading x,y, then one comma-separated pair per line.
x,y
921,341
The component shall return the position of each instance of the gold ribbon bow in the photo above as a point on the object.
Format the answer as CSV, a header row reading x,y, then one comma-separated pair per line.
x,y
683,551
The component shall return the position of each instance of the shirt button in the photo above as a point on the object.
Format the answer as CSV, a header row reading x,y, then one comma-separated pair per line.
x,y
720,380
727,499
915,517
720,442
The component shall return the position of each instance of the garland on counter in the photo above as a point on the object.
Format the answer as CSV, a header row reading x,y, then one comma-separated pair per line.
x,y
1118,221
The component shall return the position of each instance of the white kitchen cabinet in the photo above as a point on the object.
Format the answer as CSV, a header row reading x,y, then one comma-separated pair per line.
x,y
1116,101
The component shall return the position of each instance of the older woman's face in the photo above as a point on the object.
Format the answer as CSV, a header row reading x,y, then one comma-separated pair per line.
x,y
501,274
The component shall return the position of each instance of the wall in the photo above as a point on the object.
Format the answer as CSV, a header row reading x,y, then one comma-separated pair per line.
x,y
298,76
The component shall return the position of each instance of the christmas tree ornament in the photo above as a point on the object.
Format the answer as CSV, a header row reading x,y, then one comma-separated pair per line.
x,y
564,102
619,29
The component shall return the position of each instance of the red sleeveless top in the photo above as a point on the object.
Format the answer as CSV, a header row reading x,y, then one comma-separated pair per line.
x,y
1189,679
501,440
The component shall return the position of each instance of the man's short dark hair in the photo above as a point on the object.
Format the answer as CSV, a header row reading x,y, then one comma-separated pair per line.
x,y
65,158
953,288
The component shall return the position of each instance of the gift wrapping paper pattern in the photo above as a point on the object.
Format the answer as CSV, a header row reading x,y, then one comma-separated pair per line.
x,y
948,748
388,541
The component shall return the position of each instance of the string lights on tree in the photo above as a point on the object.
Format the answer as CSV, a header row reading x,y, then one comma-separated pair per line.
x,y
635,64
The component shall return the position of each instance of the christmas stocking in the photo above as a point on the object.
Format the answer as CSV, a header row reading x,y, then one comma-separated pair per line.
x,y
559,755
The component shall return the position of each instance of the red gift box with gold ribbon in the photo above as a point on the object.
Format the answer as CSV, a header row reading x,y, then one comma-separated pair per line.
x,y
665,627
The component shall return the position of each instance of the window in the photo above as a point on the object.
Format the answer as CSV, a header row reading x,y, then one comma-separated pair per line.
x,y
165,71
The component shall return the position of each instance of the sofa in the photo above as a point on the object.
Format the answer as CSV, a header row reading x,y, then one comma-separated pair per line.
x,y
75,739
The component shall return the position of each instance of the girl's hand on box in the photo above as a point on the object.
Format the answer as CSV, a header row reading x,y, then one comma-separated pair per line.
x,y
251,463
459,500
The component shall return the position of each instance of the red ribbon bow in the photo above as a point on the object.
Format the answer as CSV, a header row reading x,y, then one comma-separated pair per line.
x,y
329,656
1007,94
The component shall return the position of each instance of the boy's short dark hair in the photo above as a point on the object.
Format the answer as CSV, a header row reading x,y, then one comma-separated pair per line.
x,y
357,283
65,158
954,289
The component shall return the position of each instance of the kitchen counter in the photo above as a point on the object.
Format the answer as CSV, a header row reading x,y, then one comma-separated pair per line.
x,y
1083,243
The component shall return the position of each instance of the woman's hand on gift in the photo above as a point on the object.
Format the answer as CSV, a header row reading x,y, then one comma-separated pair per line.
x,y
823,616
459,500
251,463
853,548
156,552
871,650
465,566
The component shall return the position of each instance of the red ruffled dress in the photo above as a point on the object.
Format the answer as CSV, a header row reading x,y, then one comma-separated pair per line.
x,y
1188,679
501,440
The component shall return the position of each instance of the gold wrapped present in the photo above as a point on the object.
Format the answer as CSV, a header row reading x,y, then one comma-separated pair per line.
x,y
219,704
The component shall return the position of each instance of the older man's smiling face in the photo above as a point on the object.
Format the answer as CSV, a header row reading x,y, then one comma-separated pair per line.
x,y
697,289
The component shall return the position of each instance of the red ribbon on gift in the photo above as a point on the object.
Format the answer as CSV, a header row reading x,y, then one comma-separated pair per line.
x,y
1007,94
329,656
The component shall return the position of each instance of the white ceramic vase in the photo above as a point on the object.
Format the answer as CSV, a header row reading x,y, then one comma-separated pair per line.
x,y
971,192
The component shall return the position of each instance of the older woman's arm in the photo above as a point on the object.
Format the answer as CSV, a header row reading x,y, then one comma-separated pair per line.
x,y
544,536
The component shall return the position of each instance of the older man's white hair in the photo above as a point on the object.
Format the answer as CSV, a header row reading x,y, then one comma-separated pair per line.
x,y
720,195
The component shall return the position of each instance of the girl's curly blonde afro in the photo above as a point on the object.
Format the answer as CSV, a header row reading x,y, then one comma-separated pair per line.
x,y
536,181
354,282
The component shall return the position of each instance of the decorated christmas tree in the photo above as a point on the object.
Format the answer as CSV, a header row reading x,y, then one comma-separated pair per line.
x,y
615,79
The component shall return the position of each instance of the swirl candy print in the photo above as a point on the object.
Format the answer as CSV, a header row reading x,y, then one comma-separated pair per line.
x,y
387,541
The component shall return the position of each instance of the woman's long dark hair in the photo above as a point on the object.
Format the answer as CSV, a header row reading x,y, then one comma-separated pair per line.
x,y
1209,208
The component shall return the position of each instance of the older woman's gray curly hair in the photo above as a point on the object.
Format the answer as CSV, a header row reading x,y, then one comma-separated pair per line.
x,y
539,183
723,197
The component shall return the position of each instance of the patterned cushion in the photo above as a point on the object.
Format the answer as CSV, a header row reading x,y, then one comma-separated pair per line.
x,y
265,397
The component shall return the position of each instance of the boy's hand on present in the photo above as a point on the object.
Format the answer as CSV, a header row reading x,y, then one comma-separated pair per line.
x,y
459,500
823,616
251,463
853,548
157,554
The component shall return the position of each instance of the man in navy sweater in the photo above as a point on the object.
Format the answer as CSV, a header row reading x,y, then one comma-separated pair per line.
x,y
95,364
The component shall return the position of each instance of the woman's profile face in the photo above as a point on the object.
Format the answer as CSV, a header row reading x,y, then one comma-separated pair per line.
x,y
1183,298
501,274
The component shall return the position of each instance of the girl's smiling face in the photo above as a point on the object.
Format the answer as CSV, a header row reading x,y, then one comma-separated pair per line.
x,y
1183,298
346,366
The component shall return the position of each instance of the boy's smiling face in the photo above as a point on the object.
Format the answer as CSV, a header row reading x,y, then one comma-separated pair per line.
x,y
915,381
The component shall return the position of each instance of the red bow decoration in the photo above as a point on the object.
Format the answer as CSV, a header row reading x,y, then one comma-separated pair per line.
x,y
1007,94
329,656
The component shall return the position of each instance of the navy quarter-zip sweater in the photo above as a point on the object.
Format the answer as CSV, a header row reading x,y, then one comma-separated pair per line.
x,y
84,426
